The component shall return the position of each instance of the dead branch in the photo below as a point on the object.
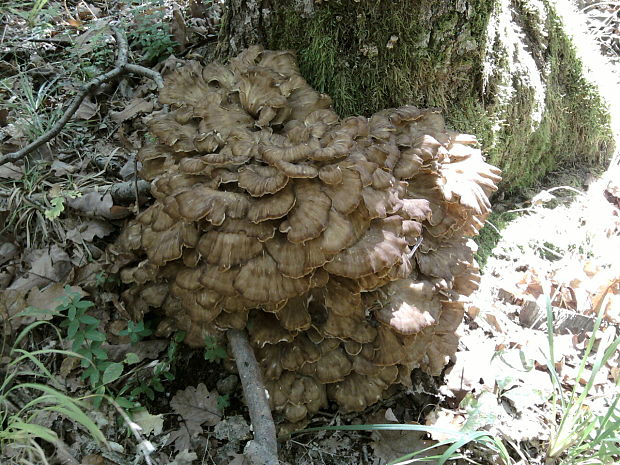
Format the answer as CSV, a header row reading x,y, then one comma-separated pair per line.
x,y
126,191
121,67
263,449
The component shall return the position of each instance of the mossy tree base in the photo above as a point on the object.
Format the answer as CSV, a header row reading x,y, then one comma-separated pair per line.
x,y
502,69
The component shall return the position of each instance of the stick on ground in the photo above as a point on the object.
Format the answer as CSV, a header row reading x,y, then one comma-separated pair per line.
x,y
263,449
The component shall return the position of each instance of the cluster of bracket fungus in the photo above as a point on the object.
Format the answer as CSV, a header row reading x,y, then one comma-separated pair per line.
x,y
341,244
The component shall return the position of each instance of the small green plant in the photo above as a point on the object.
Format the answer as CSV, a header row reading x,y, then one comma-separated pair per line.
x,y
137,386
582,436
58,203
223,402
135,331
87,343
149,33
23,401
214,352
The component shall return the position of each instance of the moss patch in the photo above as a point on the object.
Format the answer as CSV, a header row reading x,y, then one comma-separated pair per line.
x,y
531,117
344,50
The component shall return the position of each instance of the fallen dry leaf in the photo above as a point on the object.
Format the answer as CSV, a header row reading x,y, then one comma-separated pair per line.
x,y
8,250
86,110
98,204
93,459
12,301
88,230
11,171
239,459
232,429
48,265
150,424
390,445
51,296
134,107
144,349
178,30
60,168
195,406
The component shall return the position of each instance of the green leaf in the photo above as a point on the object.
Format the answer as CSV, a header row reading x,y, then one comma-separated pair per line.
x,y
95,335
145,332
84,304
92,373
179,336
223,402
112,373
78,341
71,313
35,430
135,392
98,399
58,205
89,320
99,353
131,358
156,384
73,328
124,402
215,354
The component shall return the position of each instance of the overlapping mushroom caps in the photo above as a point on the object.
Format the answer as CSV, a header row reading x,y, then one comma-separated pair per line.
x,y
342,245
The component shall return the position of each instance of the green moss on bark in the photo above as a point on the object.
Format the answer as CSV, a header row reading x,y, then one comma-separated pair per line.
x,y
343,51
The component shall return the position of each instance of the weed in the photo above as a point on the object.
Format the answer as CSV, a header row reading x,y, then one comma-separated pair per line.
x,y
458,440
137,386
135,331
584,436
214,352
149,33
223,402
23,402
87,343
58,204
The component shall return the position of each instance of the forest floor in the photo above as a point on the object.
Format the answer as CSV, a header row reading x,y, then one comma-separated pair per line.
x,y
61,209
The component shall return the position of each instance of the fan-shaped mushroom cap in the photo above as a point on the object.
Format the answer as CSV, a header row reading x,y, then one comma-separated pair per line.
x,y
412,306
357,391
377,250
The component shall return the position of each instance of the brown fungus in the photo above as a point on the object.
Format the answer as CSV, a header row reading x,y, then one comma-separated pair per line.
x,y
341,244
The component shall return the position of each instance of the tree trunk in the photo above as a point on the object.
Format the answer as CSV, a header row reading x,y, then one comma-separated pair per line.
x,y
504,70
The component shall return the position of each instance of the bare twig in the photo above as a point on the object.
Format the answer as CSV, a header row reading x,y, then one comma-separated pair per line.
x,y
154,75
263,450
121,67
126,191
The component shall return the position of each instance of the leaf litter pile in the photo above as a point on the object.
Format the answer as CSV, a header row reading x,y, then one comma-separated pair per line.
x,y
62,205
